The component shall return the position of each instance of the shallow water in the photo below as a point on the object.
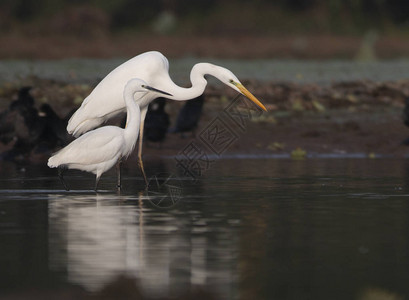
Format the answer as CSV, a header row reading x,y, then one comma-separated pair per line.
x,y
299,71
247,229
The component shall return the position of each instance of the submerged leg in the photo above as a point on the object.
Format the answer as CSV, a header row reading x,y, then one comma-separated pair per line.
x,y
118,171
60,175
140,162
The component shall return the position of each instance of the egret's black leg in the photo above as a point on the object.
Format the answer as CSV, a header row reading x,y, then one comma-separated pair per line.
x,y
140,162
141,129
118,171
60,175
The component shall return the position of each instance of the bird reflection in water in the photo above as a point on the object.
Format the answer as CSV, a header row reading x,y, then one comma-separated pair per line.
x,y
96,239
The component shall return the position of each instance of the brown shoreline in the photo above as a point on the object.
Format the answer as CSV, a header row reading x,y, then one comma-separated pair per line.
x,y
344,118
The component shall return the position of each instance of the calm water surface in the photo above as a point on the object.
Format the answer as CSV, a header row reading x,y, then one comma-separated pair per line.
x,y
247,229
299,71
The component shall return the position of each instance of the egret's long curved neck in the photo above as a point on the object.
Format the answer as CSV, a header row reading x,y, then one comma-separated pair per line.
x,y
133,114
198,83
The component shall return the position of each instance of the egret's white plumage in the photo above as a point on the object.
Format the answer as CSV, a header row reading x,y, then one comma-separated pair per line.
x,y
99,150
106,101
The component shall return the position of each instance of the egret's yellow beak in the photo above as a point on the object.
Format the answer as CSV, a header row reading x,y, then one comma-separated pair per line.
x,y
249,95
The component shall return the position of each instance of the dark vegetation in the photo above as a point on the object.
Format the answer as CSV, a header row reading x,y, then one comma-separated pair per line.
x,y
91,17
345,117
57,29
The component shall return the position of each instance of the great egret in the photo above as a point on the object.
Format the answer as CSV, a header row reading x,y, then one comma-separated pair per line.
x,y
105,101
99,150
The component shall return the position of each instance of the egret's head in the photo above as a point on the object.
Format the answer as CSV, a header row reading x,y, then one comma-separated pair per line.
x,y
229,79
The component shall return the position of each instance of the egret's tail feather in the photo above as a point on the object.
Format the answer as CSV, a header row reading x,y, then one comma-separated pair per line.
x,y
83,127
52,162
81,122
73,122
77,125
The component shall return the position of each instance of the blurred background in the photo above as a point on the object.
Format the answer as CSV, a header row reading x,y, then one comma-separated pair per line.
x,y
297,56
228,28
321,213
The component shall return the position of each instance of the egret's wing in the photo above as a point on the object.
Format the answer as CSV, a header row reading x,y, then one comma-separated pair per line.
x,y
96,109
106,100
94,147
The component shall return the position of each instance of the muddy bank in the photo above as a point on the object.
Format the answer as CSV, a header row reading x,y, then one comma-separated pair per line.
x,y
344,118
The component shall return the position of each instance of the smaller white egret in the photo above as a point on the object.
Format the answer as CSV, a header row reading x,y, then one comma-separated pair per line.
x,y
99,150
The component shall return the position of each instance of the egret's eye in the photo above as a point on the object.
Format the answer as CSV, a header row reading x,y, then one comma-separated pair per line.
x,y
143,85
232,81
